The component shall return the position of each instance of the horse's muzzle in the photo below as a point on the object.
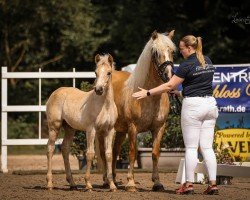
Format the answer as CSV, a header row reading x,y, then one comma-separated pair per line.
x,y
99,90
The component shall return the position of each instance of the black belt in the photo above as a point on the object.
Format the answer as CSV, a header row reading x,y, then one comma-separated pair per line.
x,y
198,96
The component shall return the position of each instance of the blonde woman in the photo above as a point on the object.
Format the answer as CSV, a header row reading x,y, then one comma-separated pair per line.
x,y
199,109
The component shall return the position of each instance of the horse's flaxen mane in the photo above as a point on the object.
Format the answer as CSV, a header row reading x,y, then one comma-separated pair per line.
x,y
140,73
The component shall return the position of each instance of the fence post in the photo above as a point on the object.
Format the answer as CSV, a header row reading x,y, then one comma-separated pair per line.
x,y
4,121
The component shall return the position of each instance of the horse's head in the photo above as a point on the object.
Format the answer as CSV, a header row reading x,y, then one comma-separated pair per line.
x,y
104,67
162,54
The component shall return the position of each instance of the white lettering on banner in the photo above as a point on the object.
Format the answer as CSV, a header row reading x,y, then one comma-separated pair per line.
x,y
230,108
241,76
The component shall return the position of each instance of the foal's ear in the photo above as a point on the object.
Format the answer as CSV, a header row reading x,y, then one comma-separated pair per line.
x,y
110,59
154,35
97,58
171,34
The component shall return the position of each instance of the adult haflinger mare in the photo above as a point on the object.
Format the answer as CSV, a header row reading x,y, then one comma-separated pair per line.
x,y
154,67
94,112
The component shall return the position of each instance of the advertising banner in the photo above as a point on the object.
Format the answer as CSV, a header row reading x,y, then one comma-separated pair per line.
x,y
231,88
237,140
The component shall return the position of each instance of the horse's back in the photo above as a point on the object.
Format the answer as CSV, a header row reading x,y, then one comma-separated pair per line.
x,y
59,98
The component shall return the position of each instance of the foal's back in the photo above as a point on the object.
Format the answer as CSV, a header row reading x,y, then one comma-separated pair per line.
x,y
70,104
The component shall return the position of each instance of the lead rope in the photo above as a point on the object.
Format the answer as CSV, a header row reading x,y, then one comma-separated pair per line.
x,y
175,104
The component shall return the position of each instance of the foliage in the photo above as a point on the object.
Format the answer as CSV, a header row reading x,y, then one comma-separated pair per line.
x,y
124,150
21,128
40,33
79,145
172,137
86,86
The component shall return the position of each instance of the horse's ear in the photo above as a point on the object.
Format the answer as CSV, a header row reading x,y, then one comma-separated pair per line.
x,y
110,59
154,35
97,58
171,34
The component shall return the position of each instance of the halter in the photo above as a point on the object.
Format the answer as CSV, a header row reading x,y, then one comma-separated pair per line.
x,y
160,68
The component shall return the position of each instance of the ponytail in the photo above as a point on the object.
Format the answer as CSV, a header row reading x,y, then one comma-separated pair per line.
x,y
199,54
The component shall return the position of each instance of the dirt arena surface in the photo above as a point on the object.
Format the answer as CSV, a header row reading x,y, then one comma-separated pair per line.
x,y
32,185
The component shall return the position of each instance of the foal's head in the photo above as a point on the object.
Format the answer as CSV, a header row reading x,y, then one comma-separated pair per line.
x,y
104,67
162,54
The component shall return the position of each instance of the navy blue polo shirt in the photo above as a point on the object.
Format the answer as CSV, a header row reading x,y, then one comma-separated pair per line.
x,y
197,79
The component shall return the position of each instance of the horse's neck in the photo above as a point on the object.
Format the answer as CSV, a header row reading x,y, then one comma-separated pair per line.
x,y
153,79
107,98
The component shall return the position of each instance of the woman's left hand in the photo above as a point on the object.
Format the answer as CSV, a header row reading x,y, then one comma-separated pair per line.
x,y
141,94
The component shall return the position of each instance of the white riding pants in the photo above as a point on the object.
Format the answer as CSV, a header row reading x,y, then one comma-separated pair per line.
x,y
198,118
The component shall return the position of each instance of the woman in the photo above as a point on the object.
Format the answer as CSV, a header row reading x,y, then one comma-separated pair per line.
x,y
199,110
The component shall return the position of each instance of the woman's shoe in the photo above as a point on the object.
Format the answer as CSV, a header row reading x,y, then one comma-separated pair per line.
x,y
185,190
211,190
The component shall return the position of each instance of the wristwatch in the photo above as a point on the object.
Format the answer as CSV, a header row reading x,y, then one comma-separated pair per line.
x,y
148,93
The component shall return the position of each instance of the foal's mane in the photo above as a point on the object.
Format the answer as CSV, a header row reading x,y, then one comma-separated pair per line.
x,y
140,73
104,59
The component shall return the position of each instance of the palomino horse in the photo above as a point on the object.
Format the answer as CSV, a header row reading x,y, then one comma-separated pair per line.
x,y
153,67
94,112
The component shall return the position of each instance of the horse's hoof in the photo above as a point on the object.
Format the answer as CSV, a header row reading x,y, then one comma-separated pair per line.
x,y
130,188
90,190
158,187
73,187
113,190
50,188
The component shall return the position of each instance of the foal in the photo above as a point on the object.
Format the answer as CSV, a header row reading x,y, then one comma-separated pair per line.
x,y
94,112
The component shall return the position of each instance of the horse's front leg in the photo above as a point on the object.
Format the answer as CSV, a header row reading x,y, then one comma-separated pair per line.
x,y
102,154
108,155
157,135
132,153
90,156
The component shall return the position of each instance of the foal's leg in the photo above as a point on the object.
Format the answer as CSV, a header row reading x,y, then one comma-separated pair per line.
x,y
53,134
67,141
90,156
157,135
102,154
108,154
132,152
119,138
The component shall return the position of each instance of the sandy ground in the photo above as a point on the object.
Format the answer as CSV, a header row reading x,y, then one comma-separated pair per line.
x,y
29,184
38,162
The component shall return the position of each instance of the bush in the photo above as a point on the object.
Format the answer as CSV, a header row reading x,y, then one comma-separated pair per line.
x,y
124,150
21,129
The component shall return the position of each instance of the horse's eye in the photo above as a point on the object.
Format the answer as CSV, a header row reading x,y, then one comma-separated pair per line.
x,y
109,73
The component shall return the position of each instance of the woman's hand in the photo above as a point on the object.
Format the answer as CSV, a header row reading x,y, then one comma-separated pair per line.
x,y
141,94
176,92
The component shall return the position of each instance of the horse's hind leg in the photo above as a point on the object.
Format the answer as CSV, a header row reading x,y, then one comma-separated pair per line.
x,y
132,153
119,138
67,141
157,135
53,134
108,141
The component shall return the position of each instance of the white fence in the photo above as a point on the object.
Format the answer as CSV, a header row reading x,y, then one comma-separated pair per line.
x,y
28,108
